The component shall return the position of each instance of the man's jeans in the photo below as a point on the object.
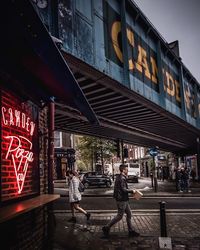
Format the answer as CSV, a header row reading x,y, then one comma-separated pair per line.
x,y
123,207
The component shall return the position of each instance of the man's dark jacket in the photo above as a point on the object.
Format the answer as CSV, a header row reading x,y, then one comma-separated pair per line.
x,y
121,190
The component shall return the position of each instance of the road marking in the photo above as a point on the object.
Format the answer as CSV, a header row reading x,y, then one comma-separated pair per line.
x,y
147,197
170,197
142,211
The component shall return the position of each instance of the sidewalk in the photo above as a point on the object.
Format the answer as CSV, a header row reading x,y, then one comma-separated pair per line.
x,y
183,228
184,231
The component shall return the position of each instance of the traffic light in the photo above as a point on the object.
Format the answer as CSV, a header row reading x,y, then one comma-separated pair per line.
x,y
117,147
125,152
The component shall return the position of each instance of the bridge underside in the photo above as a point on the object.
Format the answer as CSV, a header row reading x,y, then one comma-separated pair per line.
x,y
123,114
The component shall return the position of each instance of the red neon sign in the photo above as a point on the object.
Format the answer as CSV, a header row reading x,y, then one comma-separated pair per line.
x,y
16,151
19,147
13,117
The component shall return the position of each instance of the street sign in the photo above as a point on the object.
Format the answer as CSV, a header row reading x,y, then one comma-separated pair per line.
x,y
153,151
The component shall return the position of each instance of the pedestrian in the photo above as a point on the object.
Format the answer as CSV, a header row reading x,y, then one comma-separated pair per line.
x,y
182,179
186,179
121,195
193,174
178,179
75,195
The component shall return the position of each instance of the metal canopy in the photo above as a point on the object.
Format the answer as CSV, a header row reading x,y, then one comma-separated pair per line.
x,y
124,114
31,62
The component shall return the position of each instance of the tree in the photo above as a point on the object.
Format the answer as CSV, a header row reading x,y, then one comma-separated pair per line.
x,y
81,166
95,150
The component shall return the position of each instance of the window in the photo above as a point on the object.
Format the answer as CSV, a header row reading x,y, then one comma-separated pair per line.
x,y
134,165
57,139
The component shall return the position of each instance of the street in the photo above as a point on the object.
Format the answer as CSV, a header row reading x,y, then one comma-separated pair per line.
x,y
100,198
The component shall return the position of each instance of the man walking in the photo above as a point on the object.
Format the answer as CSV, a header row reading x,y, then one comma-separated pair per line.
x,y
121,193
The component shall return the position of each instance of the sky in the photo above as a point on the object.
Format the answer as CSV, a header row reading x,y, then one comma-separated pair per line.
x,y
177,20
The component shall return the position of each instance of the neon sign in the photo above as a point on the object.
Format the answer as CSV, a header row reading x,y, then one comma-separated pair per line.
x,y
17,118
19,147
16,151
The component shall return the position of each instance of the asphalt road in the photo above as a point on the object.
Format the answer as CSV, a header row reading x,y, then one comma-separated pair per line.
x,y
146,203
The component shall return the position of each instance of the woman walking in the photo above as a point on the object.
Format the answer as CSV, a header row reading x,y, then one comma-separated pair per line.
x,y
75,195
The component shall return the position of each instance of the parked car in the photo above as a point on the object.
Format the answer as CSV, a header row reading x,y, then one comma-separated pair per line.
x,y
133,171
96,179
133,178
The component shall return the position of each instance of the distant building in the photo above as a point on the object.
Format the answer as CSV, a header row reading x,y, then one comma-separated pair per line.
x,y
64,153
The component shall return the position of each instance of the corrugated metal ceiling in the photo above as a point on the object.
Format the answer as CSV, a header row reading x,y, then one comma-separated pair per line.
x,y
123,114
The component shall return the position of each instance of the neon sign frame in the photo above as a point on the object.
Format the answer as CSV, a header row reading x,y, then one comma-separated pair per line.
x,y
19,148
19,153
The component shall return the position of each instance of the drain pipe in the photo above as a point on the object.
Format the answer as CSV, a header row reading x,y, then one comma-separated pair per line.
x,y
51,145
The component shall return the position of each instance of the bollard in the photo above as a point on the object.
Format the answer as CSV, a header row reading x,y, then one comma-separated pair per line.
x,y
151,175
163,226
155,184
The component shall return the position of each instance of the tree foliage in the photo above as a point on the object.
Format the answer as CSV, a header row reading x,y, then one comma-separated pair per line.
x,y
95,150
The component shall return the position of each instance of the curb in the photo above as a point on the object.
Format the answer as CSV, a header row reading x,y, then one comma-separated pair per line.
x,y
145,195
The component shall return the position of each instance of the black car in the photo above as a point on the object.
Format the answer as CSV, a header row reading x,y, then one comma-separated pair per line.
x,y
96,179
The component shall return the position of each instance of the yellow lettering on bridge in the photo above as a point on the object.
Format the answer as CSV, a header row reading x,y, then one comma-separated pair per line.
x,y
142,65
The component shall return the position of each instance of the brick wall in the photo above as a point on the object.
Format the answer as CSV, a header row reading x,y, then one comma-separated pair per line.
x,y
30,230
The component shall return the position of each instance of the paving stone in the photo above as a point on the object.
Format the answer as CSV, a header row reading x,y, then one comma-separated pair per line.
x,y
185,233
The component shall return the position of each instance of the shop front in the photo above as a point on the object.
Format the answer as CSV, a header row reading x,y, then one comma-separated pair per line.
x,y
19,147
32,75
24,200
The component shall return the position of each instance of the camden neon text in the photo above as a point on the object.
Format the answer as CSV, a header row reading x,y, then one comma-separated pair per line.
x,y
13,117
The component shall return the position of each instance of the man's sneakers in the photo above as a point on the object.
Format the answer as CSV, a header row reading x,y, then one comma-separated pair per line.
x,y
106,231
133,234
73,219
88,216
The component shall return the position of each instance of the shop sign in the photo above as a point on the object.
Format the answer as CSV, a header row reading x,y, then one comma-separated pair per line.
x,y
19,147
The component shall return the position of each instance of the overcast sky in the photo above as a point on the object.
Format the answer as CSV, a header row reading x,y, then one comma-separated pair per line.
x,y
177,20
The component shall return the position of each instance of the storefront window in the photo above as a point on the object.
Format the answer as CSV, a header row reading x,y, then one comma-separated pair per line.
x,y
57,139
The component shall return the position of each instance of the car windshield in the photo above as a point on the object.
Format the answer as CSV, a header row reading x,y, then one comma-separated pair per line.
x,y
134,166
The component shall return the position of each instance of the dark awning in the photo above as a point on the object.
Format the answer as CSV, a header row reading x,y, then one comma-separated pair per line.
x,y
29,57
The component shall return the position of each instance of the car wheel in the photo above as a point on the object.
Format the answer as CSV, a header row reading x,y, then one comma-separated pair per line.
x,y
108,184
86,185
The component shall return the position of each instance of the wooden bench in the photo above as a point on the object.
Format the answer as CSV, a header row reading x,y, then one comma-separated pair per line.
x,y
11,211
